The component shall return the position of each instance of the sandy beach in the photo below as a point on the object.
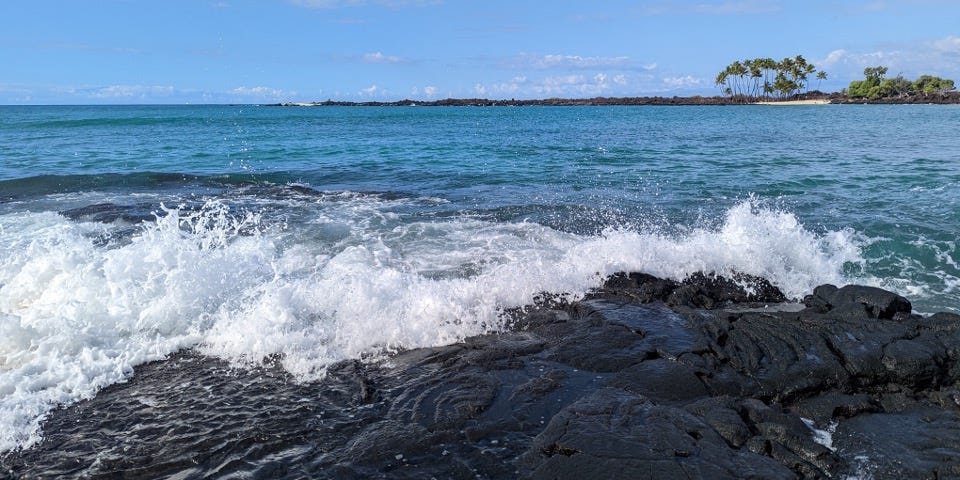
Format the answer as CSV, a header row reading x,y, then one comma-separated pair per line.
x,y
819,101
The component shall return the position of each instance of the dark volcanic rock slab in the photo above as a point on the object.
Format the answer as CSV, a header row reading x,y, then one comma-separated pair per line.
x,y
612,433
919,442
646,378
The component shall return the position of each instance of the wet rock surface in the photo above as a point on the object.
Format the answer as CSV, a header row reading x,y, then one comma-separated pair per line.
x,y
644,378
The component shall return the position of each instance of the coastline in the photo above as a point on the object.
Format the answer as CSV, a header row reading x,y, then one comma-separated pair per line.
x,y
812,98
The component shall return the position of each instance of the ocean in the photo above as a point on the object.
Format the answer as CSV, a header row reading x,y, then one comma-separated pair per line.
x,y
303,237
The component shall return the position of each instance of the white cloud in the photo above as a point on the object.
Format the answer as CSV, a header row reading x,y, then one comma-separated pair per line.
x,y
15,94
14,89
834,57
430,91
379,57
843,57
686,81
544,62
601,83
562,80
947,46
370,91
843,66
512,87
940,57
263,92
552,86
130,91
577,61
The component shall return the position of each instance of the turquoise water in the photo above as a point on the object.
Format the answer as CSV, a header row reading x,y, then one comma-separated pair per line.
x,y
319,234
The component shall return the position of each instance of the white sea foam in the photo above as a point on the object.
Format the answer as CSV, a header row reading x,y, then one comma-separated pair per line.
x,y
863,468
76,315
822,436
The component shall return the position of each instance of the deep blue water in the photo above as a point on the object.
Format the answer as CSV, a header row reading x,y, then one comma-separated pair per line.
x,y
324,233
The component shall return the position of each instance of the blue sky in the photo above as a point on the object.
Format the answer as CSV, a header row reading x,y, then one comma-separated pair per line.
x,y
244,51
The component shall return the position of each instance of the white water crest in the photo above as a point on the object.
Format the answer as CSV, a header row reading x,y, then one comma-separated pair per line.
x,y
822,436
77,314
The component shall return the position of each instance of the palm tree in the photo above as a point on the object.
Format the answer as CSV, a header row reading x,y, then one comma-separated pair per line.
x,y
808,69
737,69
821,76
783,85
769,66
756,73
722,80
785,68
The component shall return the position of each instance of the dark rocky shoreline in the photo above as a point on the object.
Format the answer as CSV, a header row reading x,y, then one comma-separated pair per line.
x,y
644,378
951,98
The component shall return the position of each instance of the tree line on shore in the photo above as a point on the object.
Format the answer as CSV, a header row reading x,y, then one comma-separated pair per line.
x,y
876,86
766,78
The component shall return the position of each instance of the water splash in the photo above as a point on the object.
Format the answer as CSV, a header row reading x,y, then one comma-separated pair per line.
x,y
77,315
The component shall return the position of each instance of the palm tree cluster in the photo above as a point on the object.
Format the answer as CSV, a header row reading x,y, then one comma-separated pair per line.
x,y
767,78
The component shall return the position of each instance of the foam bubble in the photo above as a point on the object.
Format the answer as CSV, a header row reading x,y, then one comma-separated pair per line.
x,y
350,279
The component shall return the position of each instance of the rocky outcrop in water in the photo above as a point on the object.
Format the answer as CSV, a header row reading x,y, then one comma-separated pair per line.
x,y
644,378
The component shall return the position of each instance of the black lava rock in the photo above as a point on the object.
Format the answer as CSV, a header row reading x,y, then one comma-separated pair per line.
x,y
645,378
